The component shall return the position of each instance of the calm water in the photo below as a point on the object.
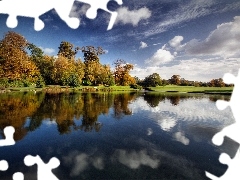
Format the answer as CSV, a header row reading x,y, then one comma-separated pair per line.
x,y
115,136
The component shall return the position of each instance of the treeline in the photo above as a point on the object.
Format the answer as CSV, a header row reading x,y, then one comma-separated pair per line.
x,y
23,64
154,80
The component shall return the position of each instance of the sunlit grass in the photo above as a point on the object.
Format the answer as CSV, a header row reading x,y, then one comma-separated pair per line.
x,y
175,88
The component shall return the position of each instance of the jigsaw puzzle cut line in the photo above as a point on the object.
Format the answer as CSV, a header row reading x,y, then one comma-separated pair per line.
x,y
36,8
231,131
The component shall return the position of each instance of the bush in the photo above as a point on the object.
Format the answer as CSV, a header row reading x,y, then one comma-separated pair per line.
x,y
135,86
40,82
4,82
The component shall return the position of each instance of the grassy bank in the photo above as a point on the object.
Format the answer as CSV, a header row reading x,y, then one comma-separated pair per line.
x,y
192,89
160,89
57,89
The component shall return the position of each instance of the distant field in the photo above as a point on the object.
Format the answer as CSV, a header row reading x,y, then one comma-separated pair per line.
x,y
193,89
168,88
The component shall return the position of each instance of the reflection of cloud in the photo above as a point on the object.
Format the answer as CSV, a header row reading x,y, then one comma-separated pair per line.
x,y
179,136
135,159
149,131
167,124
79,162
192,109
98,163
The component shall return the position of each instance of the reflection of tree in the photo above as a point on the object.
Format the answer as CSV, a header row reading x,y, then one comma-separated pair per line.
x,y
15,108
174,100
63,108
94,105
153,99
214,98
120,104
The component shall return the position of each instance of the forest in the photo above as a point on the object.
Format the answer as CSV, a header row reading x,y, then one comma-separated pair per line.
x,y
23,64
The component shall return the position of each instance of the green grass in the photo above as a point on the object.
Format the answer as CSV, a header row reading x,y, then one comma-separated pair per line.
x,y
168,88
192,89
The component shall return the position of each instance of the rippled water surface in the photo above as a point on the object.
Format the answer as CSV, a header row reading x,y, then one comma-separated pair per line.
x,y
115,136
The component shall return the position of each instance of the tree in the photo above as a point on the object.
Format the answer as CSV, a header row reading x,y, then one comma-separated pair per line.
x,y
91,53
122,73
92,64
175,79
66,50
15,63
153,80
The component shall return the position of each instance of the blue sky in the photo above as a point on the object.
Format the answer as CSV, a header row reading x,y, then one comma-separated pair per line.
x,y
196,39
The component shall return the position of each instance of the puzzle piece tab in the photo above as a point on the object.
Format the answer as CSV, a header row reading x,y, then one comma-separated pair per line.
x,y
44,170
8,132
3,165
231,131
36,8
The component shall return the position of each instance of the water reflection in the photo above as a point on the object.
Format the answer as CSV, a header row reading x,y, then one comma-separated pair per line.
x,y
63,108
116,135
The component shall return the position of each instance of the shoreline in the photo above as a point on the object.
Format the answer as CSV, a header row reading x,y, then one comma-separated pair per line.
x,y
95,89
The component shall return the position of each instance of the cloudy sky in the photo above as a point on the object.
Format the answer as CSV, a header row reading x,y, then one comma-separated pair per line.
x,y
196,39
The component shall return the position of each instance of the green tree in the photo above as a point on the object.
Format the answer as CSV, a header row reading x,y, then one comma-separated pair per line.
x,y
153,80
175,79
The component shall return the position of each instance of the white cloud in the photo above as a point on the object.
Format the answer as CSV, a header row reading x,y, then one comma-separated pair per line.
x,y
156,44
182,13
132,17
223,41
176,41
194,69
143,45
188,11
77,12
160,57
47,50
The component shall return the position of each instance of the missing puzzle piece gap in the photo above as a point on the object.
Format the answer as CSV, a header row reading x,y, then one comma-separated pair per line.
x,y
3,165
8,132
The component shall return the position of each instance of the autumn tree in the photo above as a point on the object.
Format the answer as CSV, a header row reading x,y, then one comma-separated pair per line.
x,y
92,64
67,50
122,73
68,72
15,63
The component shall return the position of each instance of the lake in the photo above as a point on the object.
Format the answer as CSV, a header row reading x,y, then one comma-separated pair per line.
x,y
115,135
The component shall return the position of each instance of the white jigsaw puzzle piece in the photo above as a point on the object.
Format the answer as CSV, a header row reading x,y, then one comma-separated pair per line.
x,y
3,165
44,171
36,8
232,131
18,176
8,132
